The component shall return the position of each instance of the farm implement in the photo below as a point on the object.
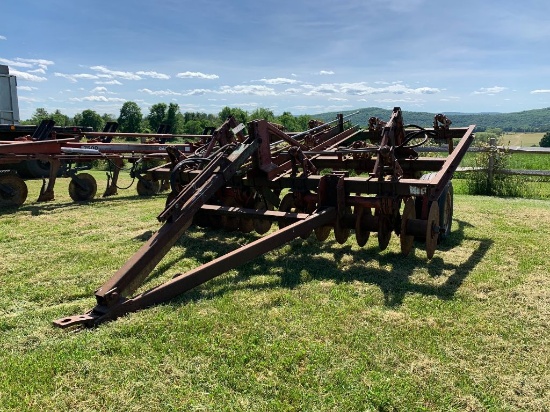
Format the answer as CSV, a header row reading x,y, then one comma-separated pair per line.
x,y
333,177
49,159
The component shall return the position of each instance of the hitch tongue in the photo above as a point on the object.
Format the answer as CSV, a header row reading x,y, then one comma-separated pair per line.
x,y
68,321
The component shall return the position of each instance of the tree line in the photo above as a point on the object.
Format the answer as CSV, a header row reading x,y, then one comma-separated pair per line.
x,y
132,120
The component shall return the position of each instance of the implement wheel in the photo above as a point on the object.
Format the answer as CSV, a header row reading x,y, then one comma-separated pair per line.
x,y
230,223
384,231
432,230
262,225
407,240
13,191
445,203
341,233
83,187
361,235
288,205
147,186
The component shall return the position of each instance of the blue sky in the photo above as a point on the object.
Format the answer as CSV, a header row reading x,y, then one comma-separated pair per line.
x,y
298,56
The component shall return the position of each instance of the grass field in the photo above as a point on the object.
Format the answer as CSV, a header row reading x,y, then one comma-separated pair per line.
x,y
310,326
521,139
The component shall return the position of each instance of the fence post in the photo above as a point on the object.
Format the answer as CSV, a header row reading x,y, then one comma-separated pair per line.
x,y
491,166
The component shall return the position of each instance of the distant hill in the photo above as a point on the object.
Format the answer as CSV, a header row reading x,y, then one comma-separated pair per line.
x,y
537,120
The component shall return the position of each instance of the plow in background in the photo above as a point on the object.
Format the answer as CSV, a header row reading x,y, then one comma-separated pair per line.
x,y
333,177
41,156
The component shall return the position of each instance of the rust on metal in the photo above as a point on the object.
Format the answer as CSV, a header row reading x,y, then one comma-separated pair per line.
x,y
373,181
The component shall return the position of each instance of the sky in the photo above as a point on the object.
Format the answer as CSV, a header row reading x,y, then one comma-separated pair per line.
x,y
304,57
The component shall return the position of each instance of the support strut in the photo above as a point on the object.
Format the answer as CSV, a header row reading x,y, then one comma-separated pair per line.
x,y
183,282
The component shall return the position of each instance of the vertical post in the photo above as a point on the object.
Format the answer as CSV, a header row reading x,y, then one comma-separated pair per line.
x,y
491,166
340,118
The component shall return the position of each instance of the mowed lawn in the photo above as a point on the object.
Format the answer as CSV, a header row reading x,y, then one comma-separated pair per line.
x,y
308,327
521,139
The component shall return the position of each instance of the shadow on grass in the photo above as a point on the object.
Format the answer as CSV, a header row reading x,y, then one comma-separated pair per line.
x,y
391,271
38,208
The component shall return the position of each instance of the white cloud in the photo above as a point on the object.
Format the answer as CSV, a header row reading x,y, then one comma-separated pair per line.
x,y
40,62
27,76
490,90
252,104
116,73
28,99
167,92
40,70
3,38
279,80
86,76
326,72
358,89
154,75
97,99
13,63
197,75
27,88
304,108
337,99
198,92
362,89
321,90
73,77
99,89
540,91
407,101
250,90
109,82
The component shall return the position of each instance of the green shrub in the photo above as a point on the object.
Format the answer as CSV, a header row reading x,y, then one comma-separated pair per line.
x,y
482,183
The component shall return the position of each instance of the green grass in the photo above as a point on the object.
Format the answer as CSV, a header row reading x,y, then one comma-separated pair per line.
x,y
310,326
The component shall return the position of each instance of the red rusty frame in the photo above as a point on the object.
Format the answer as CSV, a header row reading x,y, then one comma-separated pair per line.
x,y
252,164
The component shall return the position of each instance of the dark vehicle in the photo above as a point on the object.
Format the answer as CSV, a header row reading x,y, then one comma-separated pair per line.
x,y
10,129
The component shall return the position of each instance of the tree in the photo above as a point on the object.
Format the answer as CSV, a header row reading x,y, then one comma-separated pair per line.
x,y
193,127
59,118
262,113
302,122
288,121
545,141
130,118
497,131
39,115
90,118
239,114
174,118
157,115
485,137
108,117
